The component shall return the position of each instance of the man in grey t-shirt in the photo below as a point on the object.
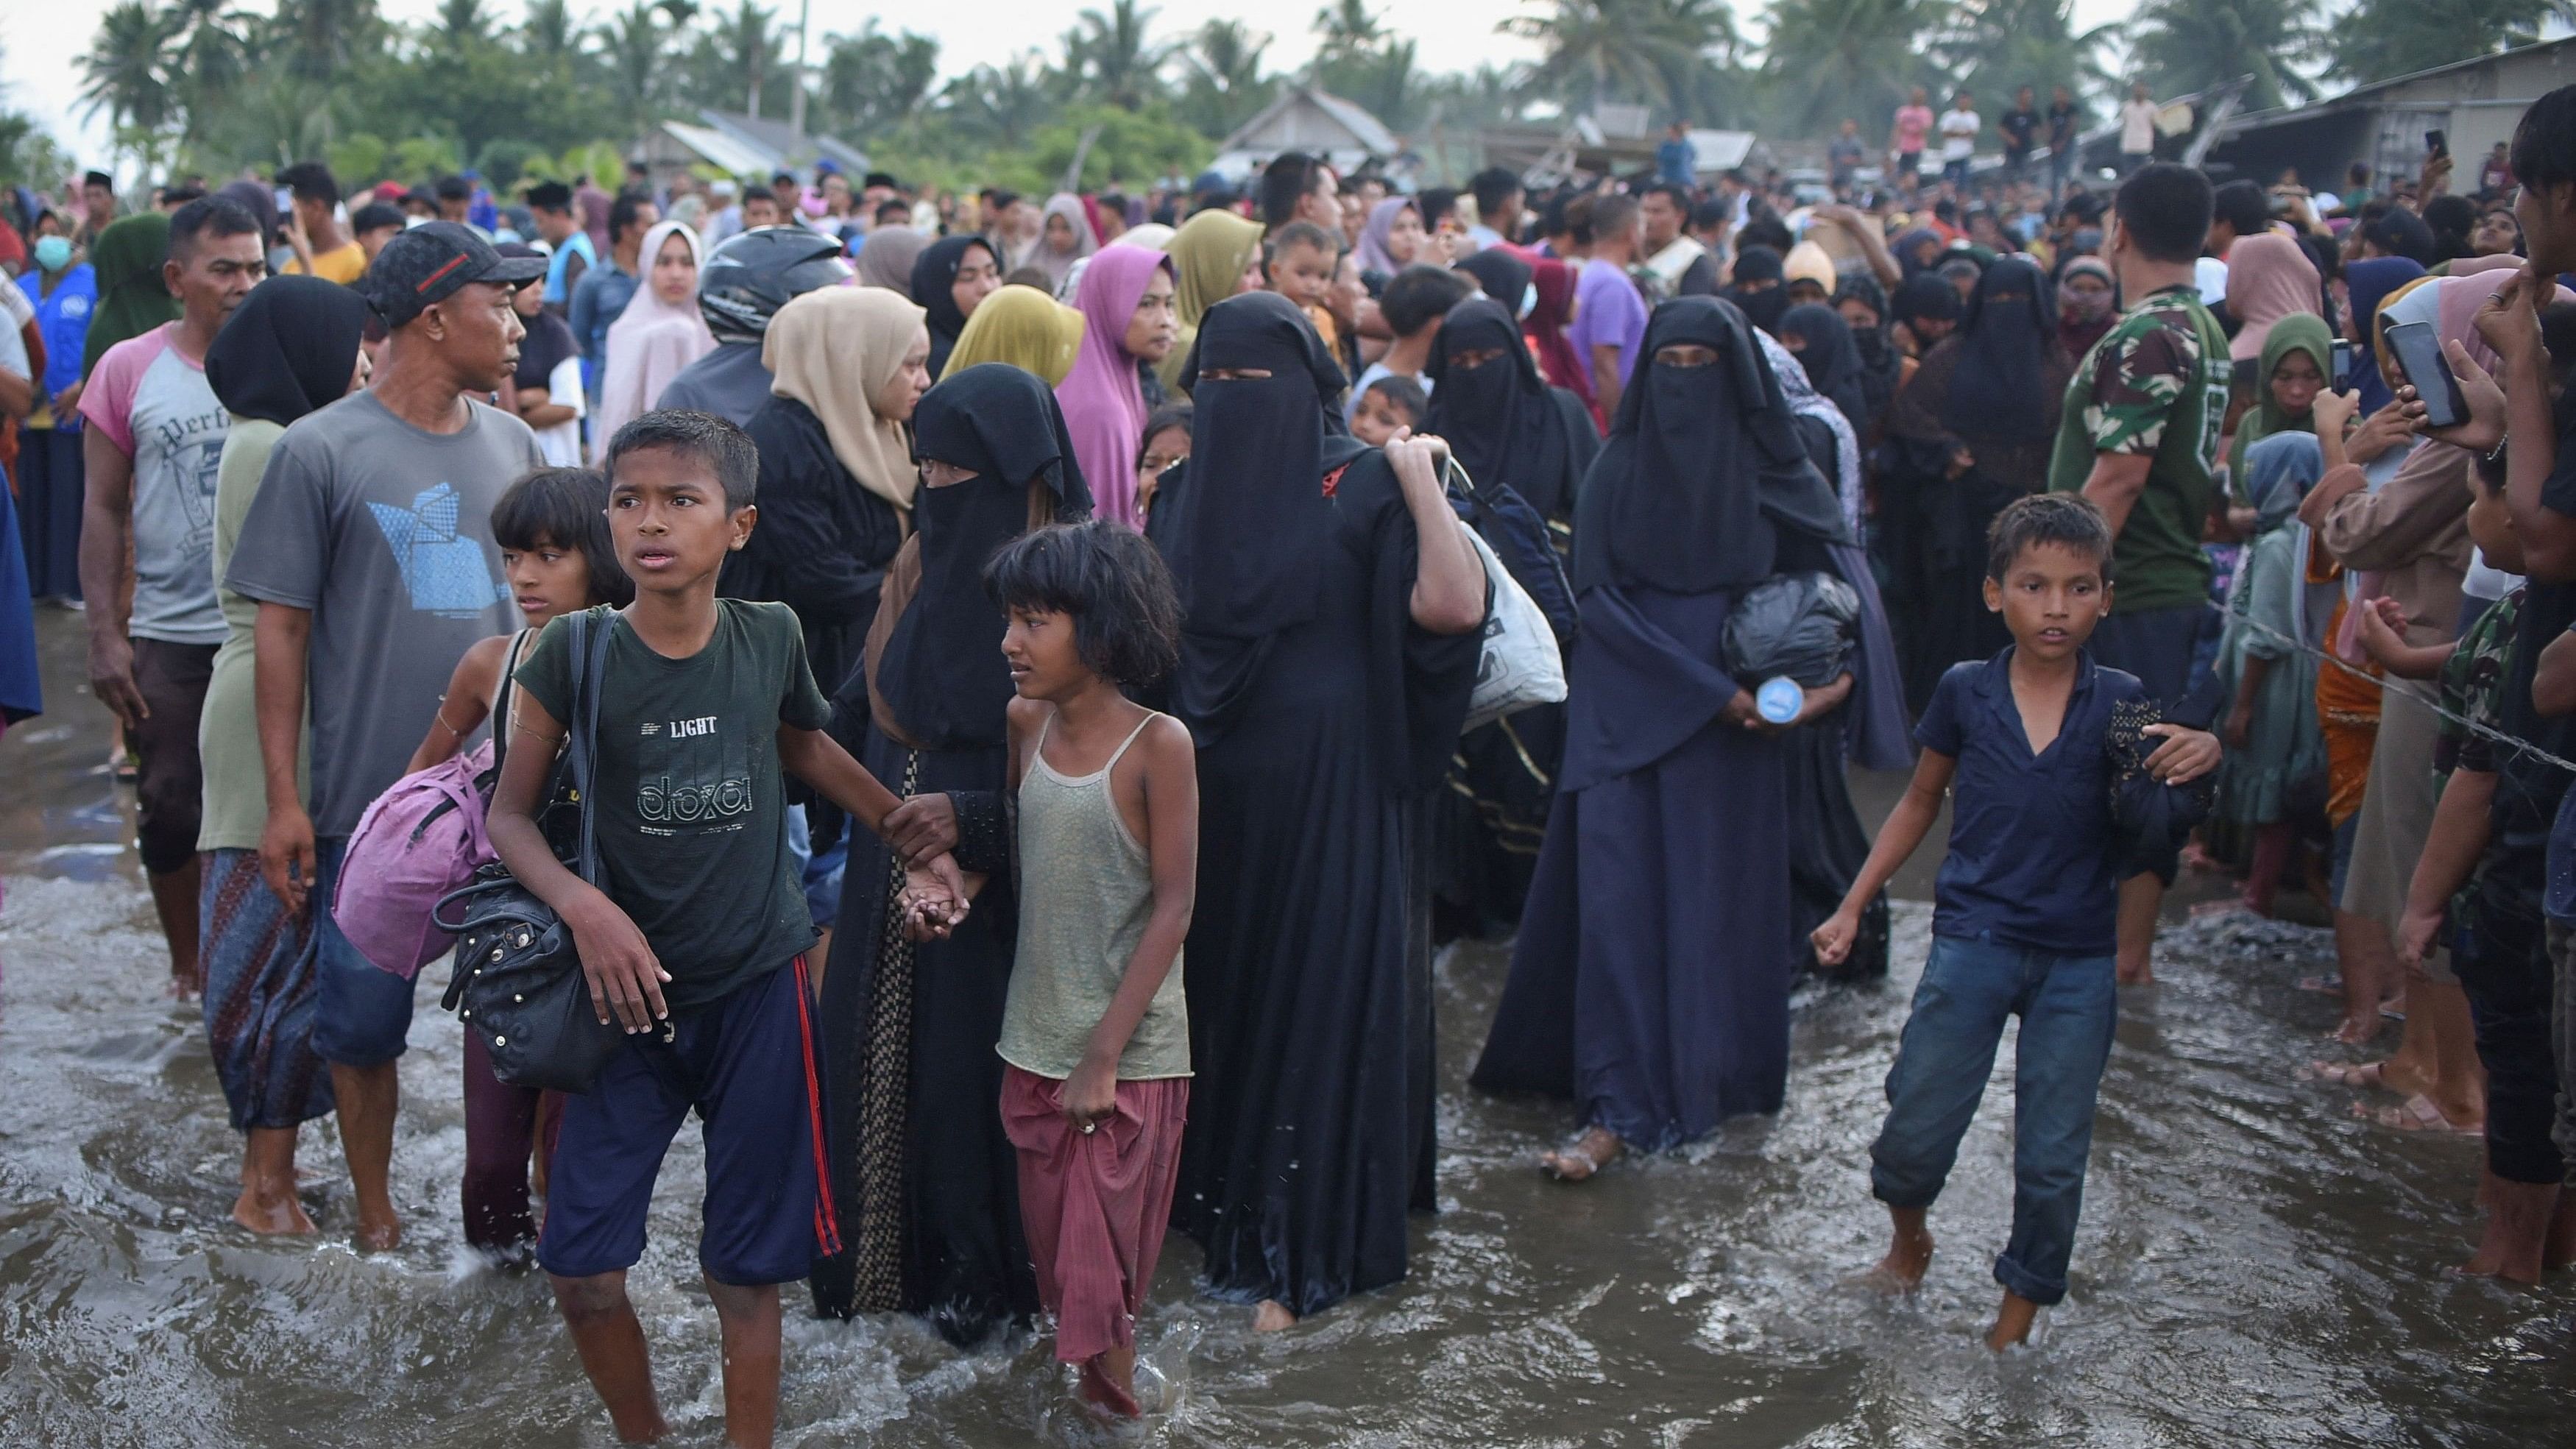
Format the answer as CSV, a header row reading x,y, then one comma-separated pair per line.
x,y
369,549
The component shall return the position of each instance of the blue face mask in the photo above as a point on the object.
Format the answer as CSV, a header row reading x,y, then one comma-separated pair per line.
x,y
53,253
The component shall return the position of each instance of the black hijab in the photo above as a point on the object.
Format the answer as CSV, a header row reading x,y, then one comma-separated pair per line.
x,y
1925,294
1499,418
1881,365
1505,278
1832,360
942,673
1762,308
1995,389
1244,538
1703,467
933,273
288,349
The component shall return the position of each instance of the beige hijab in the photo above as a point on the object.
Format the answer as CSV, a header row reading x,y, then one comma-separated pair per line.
x,y
834,349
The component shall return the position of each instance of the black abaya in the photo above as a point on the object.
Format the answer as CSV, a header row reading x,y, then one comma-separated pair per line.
x,y
1308,952
1324,717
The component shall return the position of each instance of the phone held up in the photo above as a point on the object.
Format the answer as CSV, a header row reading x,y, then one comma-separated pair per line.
x,y
2418,350
2342,363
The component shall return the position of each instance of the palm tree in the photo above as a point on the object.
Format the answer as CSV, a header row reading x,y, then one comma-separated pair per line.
x,y
323,36
1110,54
461,22
1832,59
872,80
2379,39
1004,103
1995,45
749,45
126,72
1600,50
1348,28
632,43
2184,46
1225,84
550,30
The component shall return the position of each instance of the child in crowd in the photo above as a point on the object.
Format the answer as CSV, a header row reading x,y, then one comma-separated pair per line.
x,y
1299,265
2271,724
2025,905
694,937
1388,406
1166,442
552,527
1095,1029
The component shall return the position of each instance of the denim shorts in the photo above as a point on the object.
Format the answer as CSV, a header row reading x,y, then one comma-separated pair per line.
x,y
365,1014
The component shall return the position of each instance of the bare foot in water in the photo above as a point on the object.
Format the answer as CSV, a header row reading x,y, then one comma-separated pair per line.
x,y
1596,1149
271,1207
1109,1383
1272,1316
378,1235
1909,1255
2012,1323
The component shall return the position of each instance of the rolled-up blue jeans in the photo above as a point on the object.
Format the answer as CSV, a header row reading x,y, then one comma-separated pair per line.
x,y
2068,1006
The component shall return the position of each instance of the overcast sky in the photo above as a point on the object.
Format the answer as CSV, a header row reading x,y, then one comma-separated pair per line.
x,y
45,38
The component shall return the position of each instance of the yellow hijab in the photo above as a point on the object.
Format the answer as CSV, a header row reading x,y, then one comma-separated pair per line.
x,y
1021,326
834,349
1208,254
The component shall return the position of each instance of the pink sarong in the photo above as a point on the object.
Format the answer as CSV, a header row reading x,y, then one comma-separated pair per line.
x,y
1095,1205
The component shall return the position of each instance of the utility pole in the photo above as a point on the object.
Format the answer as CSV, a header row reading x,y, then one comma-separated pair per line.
x,y
796,91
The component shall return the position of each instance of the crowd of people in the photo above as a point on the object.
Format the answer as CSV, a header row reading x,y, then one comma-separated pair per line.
x,y
998,693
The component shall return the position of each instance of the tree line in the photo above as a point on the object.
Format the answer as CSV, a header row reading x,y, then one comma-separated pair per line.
x,y
205,86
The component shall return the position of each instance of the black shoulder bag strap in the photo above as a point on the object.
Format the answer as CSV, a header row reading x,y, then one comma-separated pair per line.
x,y
590,645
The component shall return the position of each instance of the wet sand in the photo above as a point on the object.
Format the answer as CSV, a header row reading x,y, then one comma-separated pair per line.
x,y
2255,1267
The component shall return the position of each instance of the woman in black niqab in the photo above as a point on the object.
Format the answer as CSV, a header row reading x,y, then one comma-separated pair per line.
x,y
1761,304
919,1163
1324,717
1823,342
1650,982
1971,431
1524,445
934,272
1882,366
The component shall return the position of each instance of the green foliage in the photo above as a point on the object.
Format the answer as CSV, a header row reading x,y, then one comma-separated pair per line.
x,y
1828,60
504,161
2384,38
2184,46
359,158
420,159
1132,147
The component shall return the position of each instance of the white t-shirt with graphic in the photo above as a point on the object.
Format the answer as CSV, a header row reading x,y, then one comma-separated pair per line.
x,y
153,402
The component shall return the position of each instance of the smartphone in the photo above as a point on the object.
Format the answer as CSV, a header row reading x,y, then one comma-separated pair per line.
x,y
2418,350
2342,363
2436,143
285,201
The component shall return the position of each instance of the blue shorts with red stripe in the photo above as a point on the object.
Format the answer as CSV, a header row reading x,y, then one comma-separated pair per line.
x,y
747,1064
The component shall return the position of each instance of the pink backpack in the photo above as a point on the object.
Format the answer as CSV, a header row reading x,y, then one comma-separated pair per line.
x,y
421,839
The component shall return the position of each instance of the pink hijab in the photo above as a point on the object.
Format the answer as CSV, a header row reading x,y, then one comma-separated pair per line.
x,y
2269,277
649,343
1104,408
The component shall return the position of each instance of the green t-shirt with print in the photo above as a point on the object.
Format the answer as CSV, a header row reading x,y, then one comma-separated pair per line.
x,y
2156,384
691,800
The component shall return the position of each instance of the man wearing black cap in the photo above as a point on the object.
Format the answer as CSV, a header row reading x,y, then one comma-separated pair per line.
x,y
369,550
98,198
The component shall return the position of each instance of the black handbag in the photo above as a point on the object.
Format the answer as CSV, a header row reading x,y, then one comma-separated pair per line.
x,y
517,978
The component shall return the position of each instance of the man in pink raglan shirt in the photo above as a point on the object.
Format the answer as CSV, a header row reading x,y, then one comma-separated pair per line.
x,y
154,437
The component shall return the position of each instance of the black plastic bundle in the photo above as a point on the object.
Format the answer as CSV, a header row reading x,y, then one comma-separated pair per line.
x,y
2149,819
1800,625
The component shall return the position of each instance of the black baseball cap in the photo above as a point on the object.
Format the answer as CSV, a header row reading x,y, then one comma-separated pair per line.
x,y
431,262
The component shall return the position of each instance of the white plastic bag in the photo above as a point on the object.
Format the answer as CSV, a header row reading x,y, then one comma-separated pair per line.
x,y
1520,666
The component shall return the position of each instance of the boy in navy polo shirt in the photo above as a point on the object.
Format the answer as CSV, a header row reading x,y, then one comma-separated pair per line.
x,y
2026,906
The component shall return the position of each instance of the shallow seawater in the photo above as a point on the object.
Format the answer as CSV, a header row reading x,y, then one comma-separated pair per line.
x,y
2255,1266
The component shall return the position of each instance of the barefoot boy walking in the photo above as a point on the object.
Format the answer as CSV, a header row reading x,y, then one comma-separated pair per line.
x,y
693,940
2025,913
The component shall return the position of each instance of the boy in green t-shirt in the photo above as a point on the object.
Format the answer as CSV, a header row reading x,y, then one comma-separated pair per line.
x,y
2140,438
693,939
